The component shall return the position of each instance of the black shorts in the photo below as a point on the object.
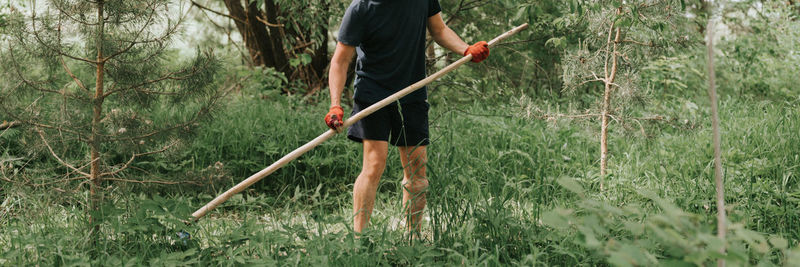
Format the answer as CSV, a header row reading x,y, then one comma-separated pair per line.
x,y
406,125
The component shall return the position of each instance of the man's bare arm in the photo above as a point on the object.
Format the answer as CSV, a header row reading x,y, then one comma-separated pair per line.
x,y
338,72
444,36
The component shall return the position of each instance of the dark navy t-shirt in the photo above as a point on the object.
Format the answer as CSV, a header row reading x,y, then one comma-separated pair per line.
x,y
390,40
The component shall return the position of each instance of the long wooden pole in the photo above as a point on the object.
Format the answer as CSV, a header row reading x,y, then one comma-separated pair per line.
x,y
330,133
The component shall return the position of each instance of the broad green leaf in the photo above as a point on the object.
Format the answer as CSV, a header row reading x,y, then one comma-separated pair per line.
x,y
294,62
305,59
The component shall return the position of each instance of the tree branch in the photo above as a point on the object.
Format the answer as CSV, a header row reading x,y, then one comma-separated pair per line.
x,y
9,124
58,181
61,58
638,43
29,82
36,124
189,122
149,181
168,76
134,156
264,20
69,72
58,51
302,46
138,34
195,3
59,158
67,14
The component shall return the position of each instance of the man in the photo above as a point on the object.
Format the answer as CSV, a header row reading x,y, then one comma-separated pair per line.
x,y
389,38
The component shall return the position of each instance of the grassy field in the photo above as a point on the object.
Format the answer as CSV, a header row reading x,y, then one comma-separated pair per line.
x,y
506,189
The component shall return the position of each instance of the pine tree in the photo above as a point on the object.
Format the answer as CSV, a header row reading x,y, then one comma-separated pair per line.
x,y
622,37
94,82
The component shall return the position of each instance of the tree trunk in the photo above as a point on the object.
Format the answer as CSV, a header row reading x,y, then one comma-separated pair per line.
x,y
236,11
609,87
712,93
275,36
320,60
95,190
264,45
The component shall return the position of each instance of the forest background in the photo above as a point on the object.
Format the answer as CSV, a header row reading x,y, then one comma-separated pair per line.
x,y
584,140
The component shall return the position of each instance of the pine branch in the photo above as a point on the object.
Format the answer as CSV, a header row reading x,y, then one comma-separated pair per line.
x,y
67,14
20,120
69,72
213,100
59,181
590,81
134,156
133,41
151,56
650,44
9,124
33,84
58,51
616,118
47,126
167,76
53,153
61,58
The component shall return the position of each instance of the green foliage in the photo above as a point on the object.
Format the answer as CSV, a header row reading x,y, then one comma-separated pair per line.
x,y
539,62
648,30
302,59
4,10
628,235
498,192
149,99
759,55
497,196
259,82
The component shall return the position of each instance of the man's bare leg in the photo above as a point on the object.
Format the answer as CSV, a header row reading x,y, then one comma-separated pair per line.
x,y
367,182
415,184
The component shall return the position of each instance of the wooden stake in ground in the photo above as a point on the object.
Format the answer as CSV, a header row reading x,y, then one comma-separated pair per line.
x,y
330,133
712,93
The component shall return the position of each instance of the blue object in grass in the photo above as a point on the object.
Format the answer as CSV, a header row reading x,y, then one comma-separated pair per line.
x,y
184,236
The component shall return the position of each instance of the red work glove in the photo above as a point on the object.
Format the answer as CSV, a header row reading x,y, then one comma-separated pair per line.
x,y
479,51
334,117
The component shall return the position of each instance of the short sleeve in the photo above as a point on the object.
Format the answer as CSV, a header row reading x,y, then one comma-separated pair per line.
x,y
351,31
433,7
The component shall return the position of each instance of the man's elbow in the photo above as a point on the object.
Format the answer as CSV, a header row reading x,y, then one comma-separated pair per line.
x,y
438,34
339,64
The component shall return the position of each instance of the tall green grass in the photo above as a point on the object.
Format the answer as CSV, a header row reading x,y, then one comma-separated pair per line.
x,y
504,190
